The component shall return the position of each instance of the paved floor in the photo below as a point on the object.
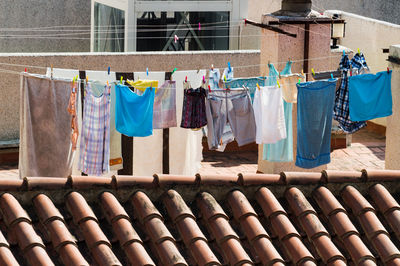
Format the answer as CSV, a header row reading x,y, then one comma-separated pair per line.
x,y
367,151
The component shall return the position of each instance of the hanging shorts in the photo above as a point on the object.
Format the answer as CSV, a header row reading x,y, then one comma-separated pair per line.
x,y
230,114
194,108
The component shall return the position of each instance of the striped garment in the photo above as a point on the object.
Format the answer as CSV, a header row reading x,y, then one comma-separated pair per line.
x,y
95,137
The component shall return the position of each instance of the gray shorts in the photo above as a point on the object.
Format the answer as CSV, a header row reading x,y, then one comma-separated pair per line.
x,y
229,115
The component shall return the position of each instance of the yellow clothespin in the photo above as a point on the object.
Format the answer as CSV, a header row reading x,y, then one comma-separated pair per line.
x,y
302,72
312,70
224,78
279,85
358,50
120,82
258,87
87,79
108,84
76,78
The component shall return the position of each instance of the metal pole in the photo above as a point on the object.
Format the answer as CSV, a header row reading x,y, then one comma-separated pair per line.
x,y
306,48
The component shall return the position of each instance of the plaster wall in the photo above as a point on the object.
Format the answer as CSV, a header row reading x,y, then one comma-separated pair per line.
x,y
277,49
44,13
392,153
370,36
119,62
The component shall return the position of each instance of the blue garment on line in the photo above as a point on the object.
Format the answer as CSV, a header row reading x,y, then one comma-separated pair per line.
x,y
370,96
281,151
134,113
315,102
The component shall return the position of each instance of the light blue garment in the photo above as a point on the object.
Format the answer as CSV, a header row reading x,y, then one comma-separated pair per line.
x,y
250,83
214,78
370,96
315,102
134,113
281,151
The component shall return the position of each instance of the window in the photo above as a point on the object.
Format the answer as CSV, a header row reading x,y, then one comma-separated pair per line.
x,y
156,31
109,29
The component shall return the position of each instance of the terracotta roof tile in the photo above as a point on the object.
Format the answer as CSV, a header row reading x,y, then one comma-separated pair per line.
x,y
205,220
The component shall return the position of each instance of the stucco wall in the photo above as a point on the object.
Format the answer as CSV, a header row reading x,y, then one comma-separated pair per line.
x,y
392,154
386,10
44,13
370,36
119,62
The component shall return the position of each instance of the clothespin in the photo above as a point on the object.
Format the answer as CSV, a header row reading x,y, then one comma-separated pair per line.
x,y
87,79
224,78
176,38
120,82
358,50
277,82
25,69
302,72
186,79
245,22
388,70
147,71
108,70
108,84
173,71
331,76
299,81
258,87
199,26
209,88
229,67
312,70
76,78
212,66
344,52
204,79
51,73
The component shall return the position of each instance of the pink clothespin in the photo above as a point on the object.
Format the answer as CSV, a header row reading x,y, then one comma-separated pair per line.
x,y
245,22
204,79
176,38
199,26
186,79
387,70
25,69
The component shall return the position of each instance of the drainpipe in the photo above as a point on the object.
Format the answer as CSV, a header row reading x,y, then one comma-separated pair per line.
x,y
306,48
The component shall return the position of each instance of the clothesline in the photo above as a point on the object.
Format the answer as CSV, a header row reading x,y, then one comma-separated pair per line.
x,y
206,67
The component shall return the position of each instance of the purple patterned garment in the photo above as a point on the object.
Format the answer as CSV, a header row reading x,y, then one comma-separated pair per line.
x,y
194,108
95,137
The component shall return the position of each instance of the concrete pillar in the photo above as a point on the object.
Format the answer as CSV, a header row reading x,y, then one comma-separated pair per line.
x,y
392,154
279,48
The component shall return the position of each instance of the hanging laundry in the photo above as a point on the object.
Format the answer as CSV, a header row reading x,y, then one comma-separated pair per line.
x,y
229,114
74,120
134,113
214,78
250,83
185,146
314,122
282,150
165,106
288,81
45,127
95,137
341,109
228,74
194,108
269,115
370,96
102,77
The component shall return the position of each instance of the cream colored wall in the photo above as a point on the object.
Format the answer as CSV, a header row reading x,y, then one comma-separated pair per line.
x,y
119,62
370,36
392,154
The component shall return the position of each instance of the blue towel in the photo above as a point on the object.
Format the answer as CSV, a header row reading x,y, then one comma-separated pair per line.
x,y
370,96
134,113
281,151
315,102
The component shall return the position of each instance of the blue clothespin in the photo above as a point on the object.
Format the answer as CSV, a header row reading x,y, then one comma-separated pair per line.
x,y
229,67
331,76
108,71
344,52
147,71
